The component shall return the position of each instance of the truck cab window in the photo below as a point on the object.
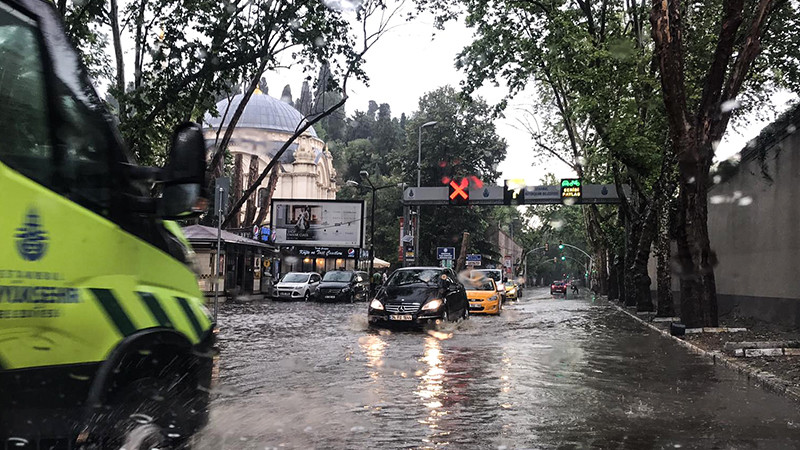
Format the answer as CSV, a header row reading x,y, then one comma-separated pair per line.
x,y
24,125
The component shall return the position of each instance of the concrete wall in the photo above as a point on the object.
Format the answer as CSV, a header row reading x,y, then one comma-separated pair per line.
x,y
754,228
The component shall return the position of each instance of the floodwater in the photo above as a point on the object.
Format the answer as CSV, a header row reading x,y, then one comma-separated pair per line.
x,y
547,373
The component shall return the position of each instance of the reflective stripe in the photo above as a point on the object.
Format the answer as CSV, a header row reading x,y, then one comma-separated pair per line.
x,y
156,310
190,314
114,311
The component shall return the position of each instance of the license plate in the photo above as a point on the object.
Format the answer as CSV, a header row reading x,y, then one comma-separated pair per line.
x,y
330,296
285,294
400,317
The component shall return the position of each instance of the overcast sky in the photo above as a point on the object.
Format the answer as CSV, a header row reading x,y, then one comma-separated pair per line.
x,y
415,58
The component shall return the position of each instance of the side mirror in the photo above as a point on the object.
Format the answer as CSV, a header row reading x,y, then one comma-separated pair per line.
x,y
183,195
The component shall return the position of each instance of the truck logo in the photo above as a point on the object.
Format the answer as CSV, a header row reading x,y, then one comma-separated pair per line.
x,y
31,237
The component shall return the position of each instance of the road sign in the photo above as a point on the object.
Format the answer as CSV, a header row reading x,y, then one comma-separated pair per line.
x,y
221,199
445,253
426,196
507,261
493,195
487,195
473,259
571,189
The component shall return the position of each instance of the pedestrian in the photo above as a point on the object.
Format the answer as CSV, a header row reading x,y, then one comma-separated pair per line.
x,y
376,281
384,277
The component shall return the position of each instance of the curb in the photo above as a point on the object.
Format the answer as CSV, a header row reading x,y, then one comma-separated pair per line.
x,y
767,380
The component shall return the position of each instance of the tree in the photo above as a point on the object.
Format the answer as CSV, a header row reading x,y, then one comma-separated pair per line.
x,y
366,13
200,46
590,68
464,143
737,52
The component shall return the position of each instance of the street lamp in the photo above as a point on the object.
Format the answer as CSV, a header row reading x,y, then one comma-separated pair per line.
x,y
432,123
365,176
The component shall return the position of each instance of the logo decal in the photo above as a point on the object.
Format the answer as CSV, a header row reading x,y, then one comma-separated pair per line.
x,y
31,237
401,308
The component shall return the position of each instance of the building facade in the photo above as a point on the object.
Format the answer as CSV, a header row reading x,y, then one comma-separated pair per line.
x,y
305,172
306,168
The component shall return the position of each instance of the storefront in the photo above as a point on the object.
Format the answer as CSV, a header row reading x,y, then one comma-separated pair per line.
x,y
245,265
297,258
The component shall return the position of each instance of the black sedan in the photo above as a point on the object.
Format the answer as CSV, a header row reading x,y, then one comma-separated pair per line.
x,y
418,296
343,285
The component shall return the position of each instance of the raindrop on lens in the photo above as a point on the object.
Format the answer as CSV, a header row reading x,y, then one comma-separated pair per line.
x,y
717,179
557,224
791,129
729,106
745,201
569,201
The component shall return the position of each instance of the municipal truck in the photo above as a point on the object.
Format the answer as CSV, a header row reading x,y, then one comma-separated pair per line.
x,y
103,328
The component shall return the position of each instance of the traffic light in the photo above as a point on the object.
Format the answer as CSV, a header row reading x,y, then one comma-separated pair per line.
x,y
546,248
563,258
458,192
555,260
560,245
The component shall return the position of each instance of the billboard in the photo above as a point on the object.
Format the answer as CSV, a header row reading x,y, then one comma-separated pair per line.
x,y
326,223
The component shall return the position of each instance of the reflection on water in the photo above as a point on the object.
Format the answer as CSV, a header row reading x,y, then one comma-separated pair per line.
x,y
546,373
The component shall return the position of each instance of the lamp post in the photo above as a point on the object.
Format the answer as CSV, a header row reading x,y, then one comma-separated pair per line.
x,y
365,176
432,123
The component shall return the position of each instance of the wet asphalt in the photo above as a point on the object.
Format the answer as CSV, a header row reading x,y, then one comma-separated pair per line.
x,y
547,373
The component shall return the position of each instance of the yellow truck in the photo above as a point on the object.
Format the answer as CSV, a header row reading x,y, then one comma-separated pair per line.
x,y
103,328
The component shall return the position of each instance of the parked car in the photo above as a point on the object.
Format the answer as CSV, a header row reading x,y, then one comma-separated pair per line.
x,y
482,296
419,296
344,285
558,287
298,285
497,276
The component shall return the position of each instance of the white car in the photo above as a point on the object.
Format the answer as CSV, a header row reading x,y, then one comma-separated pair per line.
x,y
297,285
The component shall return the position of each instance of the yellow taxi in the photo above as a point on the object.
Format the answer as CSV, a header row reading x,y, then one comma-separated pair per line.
x,y
483,296
512,290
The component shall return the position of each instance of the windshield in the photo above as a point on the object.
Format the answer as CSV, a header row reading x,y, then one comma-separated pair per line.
x,y
510,284
414,276
343,277
493,274
479,284
295,278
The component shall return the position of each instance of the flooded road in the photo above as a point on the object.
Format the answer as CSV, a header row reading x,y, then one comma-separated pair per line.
x,y
547,373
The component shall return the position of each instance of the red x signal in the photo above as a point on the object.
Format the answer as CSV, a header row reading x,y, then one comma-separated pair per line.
x,y
458,189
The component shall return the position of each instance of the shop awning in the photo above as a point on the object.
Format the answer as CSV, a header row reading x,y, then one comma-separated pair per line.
x,y
380,264
204,234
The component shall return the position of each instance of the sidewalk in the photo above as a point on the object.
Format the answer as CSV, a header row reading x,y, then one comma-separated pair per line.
x,y
768,353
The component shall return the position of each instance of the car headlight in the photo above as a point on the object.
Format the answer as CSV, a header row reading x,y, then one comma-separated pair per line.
x,y
376,304
493,298
346,289
432,305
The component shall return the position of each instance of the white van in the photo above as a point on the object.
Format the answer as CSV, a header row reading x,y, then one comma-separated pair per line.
x,y
497,276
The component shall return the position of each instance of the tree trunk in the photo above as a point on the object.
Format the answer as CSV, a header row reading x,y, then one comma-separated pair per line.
x,y
250,209
613,281
272,184
462,257
139,46
116,37
628,268
236,188
665,301
698,289
601,267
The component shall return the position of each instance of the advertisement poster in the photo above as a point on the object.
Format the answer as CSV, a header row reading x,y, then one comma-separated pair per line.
x,y
327,223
